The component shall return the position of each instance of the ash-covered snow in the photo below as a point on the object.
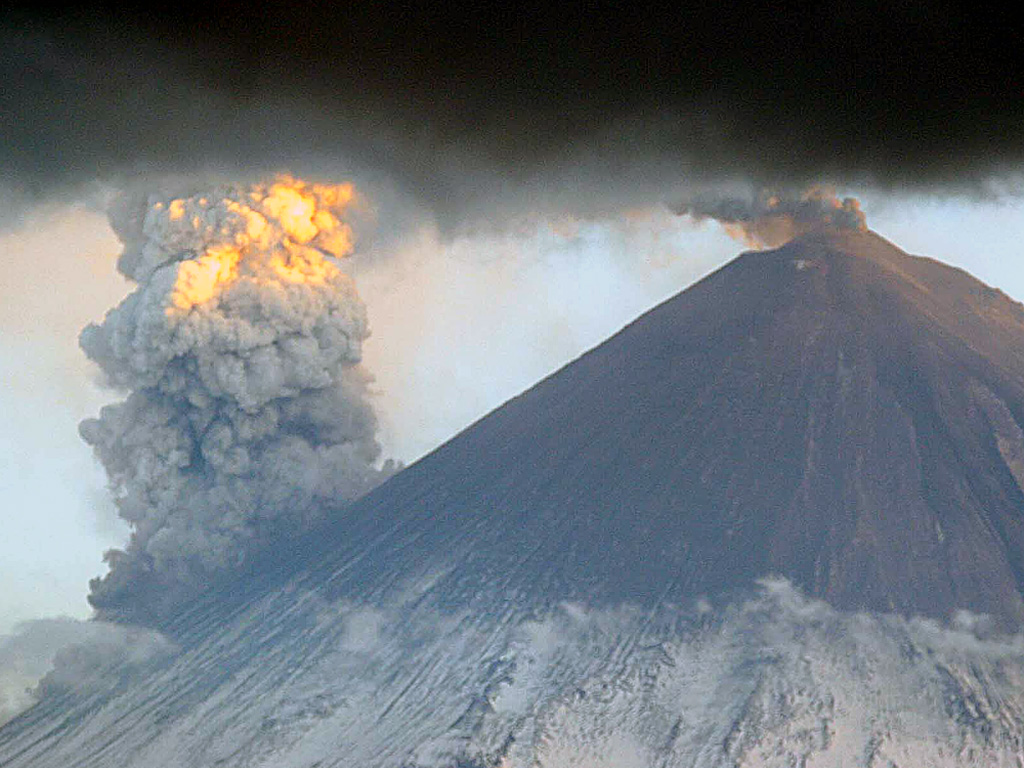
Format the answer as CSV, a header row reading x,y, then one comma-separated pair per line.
x,y
774,679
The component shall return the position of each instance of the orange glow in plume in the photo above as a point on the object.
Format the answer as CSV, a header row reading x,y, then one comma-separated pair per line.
x,y
285,232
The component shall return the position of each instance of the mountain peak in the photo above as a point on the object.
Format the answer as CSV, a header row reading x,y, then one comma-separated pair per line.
x,y
834,412
830,241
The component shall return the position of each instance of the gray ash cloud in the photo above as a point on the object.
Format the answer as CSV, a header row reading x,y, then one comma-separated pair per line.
x,y
248,418
51,657
768,220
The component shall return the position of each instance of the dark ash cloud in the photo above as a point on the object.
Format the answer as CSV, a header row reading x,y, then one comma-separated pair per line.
x,y
767,220
451,101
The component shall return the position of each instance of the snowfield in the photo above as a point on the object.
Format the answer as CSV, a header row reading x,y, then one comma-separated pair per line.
x,y
771,680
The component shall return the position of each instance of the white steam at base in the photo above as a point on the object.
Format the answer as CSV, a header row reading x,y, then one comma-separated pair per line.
x,y
248,417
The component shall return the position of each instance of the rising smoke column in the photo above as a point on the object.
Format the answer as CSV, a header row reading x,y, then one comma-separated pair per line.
x,y
248,417
769,219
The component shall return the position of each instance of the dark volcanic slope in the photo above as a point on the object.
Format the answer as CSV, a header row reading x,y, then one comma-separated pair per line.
x,y
835,411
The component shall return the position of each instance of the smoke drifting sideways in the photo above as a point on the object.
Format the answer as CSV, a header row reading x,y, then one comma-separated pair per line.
x,y
248,417
472,108
768,220
52,657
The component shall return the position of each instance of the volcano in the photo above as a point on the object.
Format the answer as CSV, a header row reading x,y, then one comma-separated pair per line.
x,y
761,525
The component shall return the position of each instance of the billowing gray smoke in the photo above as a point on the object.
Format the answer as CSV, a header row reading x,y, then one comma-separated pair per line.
x,y
48,657
769,220
248,416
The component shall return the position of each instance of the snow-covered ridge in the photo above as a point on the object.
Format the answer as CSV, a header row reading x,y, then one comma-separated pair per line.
x,y
771,680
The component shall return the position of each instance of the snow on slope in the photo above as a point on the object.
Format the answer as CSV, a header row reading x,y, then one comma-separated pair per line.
x,y
771,680
854,426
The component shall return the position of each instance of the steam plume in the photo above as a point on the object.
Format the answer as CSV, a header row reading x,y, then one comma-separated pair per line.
x,y
769,220
248,417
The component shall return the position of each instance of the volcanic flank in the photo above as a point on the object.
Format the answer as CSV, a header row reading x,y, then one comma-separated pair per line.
x,y
835,411
569,580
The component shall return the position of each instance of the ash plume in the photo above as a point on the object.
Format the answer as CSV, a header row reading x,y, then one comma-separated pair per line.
x,y
467,108
248,417
769,220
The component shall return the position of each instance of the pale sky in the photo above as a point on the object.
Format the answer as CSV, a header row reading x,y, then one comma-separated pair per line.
x,y
458,327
